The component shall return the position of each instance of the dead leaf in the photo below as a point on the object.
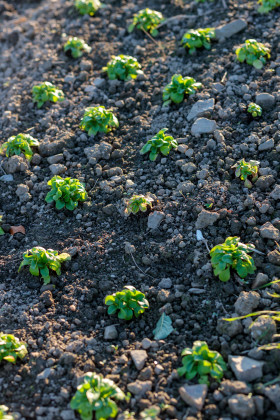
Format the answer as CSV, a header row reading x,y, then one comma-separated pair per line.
x,y
17,229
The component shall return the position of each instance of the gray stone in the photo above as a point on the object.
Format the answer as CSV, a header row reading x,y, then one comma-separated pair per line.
x,y
245,369
229,328
14,164
267,145
110,332
264,182
155,219
67,415
6,178
260,280
185,187
98,82
206,218
139,387
22,192
57,169
273,393
230,29
99,151
228,387
200,108
45,374
51,148
275,194
36,159
262,329
165,283
188,167
265,100
194,395
259,404
146,343
268,231
242,405
274,257
55,158
203,126
139,358
246,302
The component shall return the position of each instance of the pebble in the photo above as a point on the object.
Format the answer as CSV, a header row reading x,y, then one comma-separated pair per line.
x,y
146,343
203,126
242,405
57,169
265,100
110,332
267,145
139,387
194,395
200,108
245,369
262,329
165,283
155,219
206,218
230,29
246,302
139,358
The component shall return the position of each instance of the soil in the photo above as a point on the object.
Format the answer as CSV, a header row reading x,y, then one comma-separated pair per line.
x,y
64,328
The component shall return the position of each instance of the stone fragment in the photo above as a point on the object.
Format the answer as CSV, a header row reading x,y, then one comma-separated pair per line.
x,y
146,343
185,187
22,192
57,169
260,280
203,126
229,328
55,159
14,164
268,231
246,302
51,148
262,329
265,100
206,218
47,298
273,393
242,405
267,145
200,108
264,182
228,387
245,369
110,332
99,151
139,358
165,283
230,29
275,194
188,168
194,395
139,387
155,219
274,257
6,178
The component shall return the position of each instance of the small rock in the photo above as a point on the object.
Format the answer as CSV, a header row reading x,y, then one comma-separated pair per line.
x,y
273,393
200,108
6,178
55,159
265,100
57,169
47,298
264,182
98,82
262,329
268,231
165,283
129,248
36,159
14,164
194,395
109,209
230,29
246,302
155,219
245,369
260,280
139,387
146,343
267,145
274,257
229,328
22,192
185,187
206,218
228,387
99,151
45,374
259,404
139,358
203,126
110,332
242,405
51,148
275,194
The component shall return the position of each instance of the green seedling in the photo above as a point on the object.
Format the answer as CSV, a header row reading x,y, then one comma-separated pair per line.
x,y
147,20
243,170
46,92
138,203
202,362
41,261
1,230
76,47
128,302
198,38
253,52
123,67
255,110
267,5
4,413
150,413
232,254
160,143
22,143
11,348
179,86
66,192
87,7
95,395
98,119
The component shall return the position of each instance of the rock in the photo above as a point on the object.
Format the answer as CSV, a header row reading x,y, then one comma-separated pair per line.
x,y
267,145
194,395
188,167
242,405
99,83
200,108
6,178
264,182
229,328
262,329
109,209
268,231
146,343
139,387
259,404
228,387
110,332
203,126
45,374
22,192
273,393
206,218
139,358
230,29
47,298
265,100
246,302
36,159
245,369
129,248
14,164
67,415
260,280
274,257
275,194
57,169
185,187
155,219
51,148
55,158
165,283
99,151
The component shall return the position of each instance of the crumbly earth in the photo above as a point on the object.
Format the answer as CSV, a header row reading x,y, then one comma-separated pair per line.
x,y
64,323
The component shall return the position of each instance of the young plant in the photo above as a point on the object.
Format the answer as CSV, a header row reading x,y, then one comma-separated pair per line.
x,y
41,261
46,92
128,302
160,143
138,203
98,119
1,230
200,361
247,169
123,67
15,145
267,5
87,7
179,86
66,192
150,413
4,413
198,38
96,394
253,52
147,20
232,254
76,47
255,110
11,348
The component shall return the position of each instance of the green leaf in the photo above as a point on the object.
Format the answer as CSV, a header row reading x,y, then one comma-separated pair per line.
x,y
163,328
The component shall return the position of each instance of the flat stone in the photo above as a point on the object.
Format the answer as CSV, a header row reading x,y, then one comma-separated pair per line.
x,y
274,257
165,283
206,218
275,194
155,219
203,126
229,328
268,231
99,82
267,145
264,182
260,280
245,369
99,151
265,100
247,302
139,387
200,108
57,169
6,178
55,158
186,186
262,329
273,393
51,148
228,387
230,29
110,332
242,405
194,395
139,358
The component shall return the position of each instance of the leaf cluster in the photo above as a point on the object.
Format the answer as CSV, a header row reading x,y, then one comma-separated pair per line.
x,y
150,413
15,145
253,52
87,7
147,20
198,38
128,302
267,5
66,192
123,67
76,46
232,254
46,92
41,261
178,87
1,230
98,119
160,143
4,413
200,361
254,109
138,203
11,348
244,169
95,395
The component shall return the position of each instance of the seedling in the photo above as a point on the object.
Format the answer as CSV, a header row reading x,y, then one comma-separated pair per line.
x,y
76,47
4,413
255,110
253,52
267,5
198,38
15,145
202,362
66,192
150,413
11,348
87,7
160,143
128,302
179,86
147,20
123,67
96,394
232,254
46,92
41,261
98,119
243,170
138,203
1,230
